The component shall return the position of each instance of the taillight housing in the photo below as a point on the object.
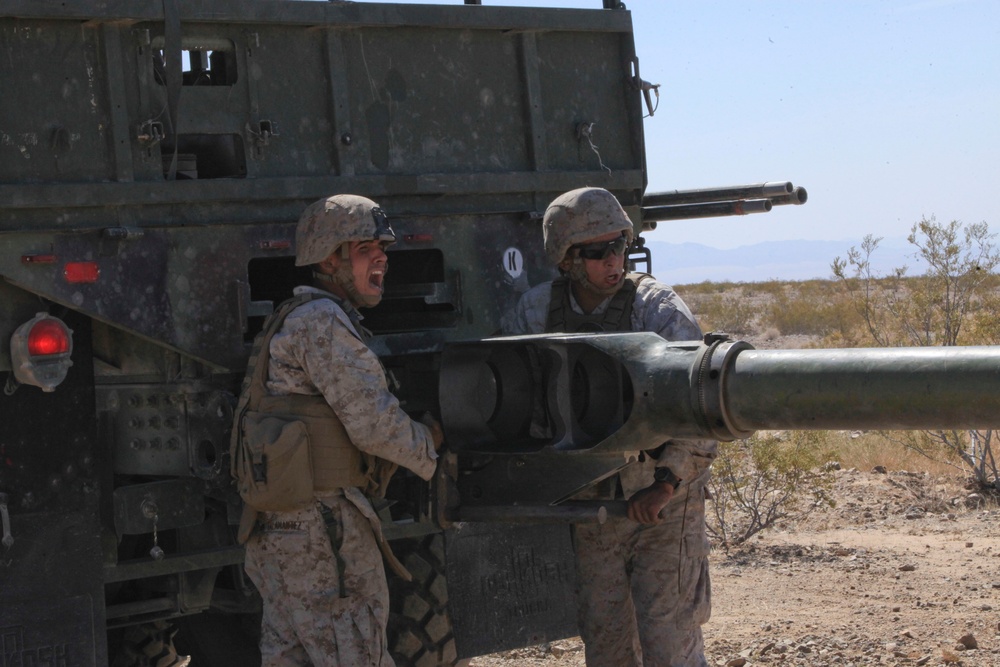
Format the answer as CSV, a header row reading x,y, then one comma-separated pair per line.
x,y
40,350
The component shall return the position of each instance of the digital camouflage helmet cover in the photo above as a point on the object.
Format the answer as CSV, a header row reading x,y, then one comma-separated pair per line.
x,y
580,215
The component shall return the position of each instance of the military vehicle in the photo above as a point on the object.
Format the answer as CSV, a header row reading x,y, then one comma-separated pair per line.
x,y
154,158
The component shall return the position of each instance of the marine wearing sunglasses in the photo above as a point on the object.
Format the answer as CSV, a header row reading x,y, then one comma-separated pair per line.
x,y
596,268
601,249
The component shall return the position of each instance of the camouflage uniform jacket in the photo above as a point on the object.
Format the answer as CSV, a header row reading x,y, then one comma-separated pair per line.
x,y
319,351
657,308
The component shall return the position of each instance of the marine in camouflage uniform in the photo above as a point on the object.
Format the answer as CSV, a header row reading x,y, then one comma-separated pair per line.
x,y
642,582
325,594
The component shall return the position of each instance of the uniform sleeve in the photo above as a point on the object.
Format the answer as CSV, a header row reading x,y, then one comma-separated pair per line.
x,y
530,313
659,309
348,374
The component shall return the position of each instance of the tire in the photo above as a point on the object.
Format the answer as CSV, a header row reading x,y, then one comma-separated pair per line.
x,y
420,632
220,640
148,645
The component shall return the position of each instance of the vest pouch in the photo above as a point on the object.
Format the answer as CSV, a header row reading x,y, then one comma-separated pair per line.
x,y
276,470
336,462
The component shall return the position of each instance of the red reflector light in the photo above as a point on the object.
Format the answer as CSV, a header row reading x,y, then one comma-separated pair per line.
x,y
275,245
47,337
418,237
81,272
38,259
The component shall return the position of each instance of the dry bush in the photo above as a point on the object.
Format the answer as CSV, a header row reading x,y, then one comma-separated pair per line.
x,y
734,312
865,450
766,478
814,308
811,307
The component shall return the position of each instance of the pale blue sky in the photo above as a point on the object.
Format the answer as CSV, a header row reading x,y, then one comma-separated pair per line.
x,y
883,110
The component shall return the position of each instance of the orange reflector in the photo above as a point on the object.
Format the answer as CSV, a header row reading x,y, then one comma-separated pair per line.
x,y
48,336
275,245
81,272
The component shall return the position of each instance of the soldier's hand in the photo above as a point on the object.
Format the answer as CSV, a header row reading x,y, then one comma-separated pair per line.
x,y
437,435
646,504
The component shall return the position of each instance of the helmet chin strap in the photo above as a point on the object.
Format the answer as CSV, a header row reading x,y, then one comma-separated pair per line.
x,y
343,278
578,274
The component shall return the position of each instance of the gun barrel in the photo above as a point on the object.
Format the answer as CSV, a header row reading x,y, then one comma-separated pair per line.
x,y
704,195
533,420
706,210
905,388
798,197
632,391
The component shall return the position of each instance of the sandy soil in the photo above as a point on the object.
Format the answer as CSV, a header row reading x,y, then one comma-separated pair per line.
x,y
905,570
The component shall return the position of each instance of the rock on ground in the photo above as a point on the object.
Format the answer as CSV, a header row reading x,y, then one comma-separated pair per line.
x,y
871,581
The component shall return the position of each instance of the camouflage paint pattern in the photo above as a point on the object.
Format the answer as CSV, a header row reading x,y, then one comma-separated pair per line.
x,y
327,603
643,590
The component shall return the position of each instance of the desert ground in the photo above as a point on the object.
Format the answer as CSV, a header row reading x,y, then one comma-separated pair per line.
x,y
904,570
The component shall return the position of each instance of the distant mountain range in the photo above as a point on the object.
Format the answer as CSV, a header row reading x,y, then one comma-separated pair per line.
x,y
684,263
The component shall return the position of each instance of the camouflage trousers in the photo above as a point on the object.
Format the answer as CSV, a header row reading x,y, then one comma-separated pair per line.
x,y
644,591
325,595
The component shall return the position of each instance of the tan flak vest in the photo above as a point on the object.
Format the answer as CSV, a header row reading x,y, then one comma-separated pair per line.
x,y
616,317
333,461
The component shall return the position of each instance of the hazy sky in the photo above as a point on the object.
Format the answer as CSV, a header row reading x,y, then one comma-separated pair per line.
x,y
884,110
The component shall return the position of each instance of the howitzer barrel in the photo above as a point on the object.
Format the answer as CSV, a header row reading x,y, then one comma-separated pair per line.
x,y
703,195
798,197
632,391
706,210
885,388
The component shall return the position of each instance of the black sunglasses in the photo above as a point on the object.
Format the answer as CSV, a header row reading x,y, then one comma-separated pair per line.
x,y
601,249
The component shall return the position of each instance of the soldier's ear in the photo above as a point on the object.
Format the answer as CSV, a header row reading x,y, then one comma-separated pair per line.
x,y
565,264
330,264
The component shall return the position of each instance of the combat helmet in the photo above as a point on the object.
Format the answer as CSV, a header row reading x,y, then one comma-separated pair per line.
x,y
328,223
578,215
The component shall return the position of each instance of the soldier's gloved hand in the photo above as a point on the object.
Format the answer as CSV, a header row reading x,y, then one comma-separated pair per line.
x,y
646,504
437,435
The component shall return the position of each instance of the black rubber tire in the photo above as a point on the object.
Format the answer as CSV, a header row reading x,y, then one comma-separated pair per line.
x,y
214,639
420,632
145,645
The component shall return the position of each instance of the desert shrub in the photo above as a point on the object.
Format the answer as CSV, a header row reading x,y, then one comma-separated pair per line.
x,y
809,312
865,450
705,287
771,287
984,325
766,478
732,312
954,300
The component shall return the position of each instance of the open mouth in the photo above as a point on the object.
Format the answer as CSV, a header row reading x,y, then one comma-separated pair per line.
x,y
376,279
